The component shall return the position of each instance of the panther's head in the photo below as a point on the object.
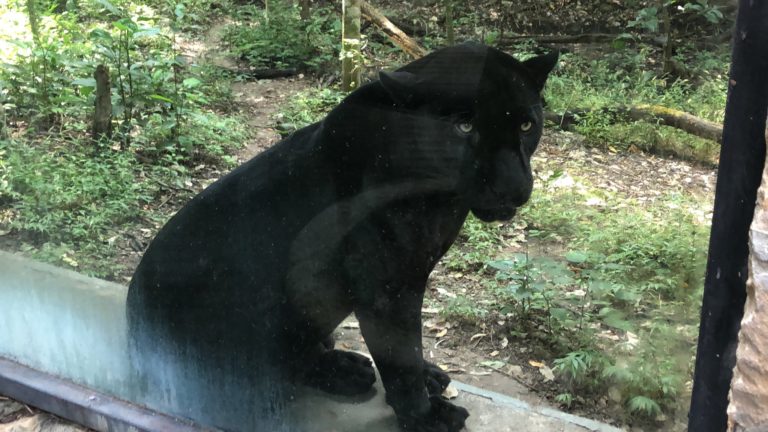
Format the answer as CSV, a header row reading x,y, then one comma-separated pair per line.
x,y
476,115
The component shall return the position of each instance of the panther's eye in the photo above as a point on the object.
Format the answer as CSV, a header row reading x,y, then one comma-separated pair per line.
x,y
465,128
526,126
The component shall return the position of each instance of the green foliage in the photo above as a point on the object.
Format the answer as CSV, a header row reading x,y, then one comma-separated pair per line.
x,y
280,39
50,79
308,107
71,196
625,78
643,405
648,18
208,138
651,250
37,80
463,309
67,197
478,241
530,283
580,368
565,399
632,270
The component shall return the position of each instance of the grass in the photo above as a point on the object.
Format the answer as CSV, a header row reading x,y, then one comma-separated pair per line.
x,y
627,77
617,308
67,199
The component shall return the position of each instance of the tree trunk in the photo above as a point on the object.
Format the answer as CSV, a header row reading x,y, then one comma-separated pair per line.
x,y
3,123
61,6
34,21
102,116
351,57
749,388
449,36
396,35
650,113
304,12
666,28
742,158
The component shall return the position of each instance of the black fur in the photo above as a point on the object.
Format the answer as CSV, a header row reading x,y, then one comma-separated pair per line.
x,y
350,214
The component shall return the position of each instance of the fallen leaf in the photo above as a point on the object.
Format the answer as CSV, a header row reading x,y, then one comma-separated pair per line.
x,y
442,333
476,336
450,392
493,364
536,364
547,373
444,292
69,260
515,370
493,353
504,343
631,339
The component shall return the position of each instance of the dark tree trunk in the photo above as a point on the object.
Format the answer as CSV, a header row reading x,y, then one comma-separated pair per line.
x,y
304,12
741,163
450,39
102,116
61,6
666,27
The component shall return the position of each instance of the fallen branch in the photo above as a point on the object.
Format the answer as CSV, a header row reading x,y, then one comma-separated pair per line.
x,y
405,42
580,38
649,113
255,74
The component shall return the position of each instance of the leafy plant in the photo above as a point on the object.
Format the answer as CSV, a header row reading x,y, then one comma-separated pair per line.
x,y
279,38
308,107
463,308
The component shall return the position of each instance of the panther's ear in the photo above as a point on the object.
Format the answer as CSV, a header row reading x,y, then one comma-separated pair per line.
x,y
401,86
541,66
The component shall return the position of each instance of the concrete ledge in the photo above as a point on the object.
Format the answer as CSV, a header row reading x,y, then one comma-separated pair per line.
x,y
57,323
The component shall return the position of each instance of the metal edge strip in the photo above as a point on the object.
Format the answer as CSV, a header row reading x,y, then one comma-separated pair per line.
x,y
82,405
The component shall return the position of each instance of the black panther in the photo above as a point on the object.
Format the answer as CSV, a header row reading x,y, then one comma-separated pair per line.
x,y
248,281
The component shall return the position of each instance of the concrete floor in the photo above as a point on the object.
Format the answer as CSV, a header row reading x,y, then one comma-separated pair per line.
x,y
489,411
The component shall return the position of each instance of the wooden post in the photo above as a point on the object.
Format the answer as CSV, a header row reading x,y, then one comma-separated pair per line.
x,y
304,9
102,116
742,157
351,57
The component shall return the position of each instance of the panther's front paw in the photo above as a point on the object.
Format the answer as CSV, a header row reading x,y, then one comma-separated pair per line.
x,y
442,416
435,379
341,372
